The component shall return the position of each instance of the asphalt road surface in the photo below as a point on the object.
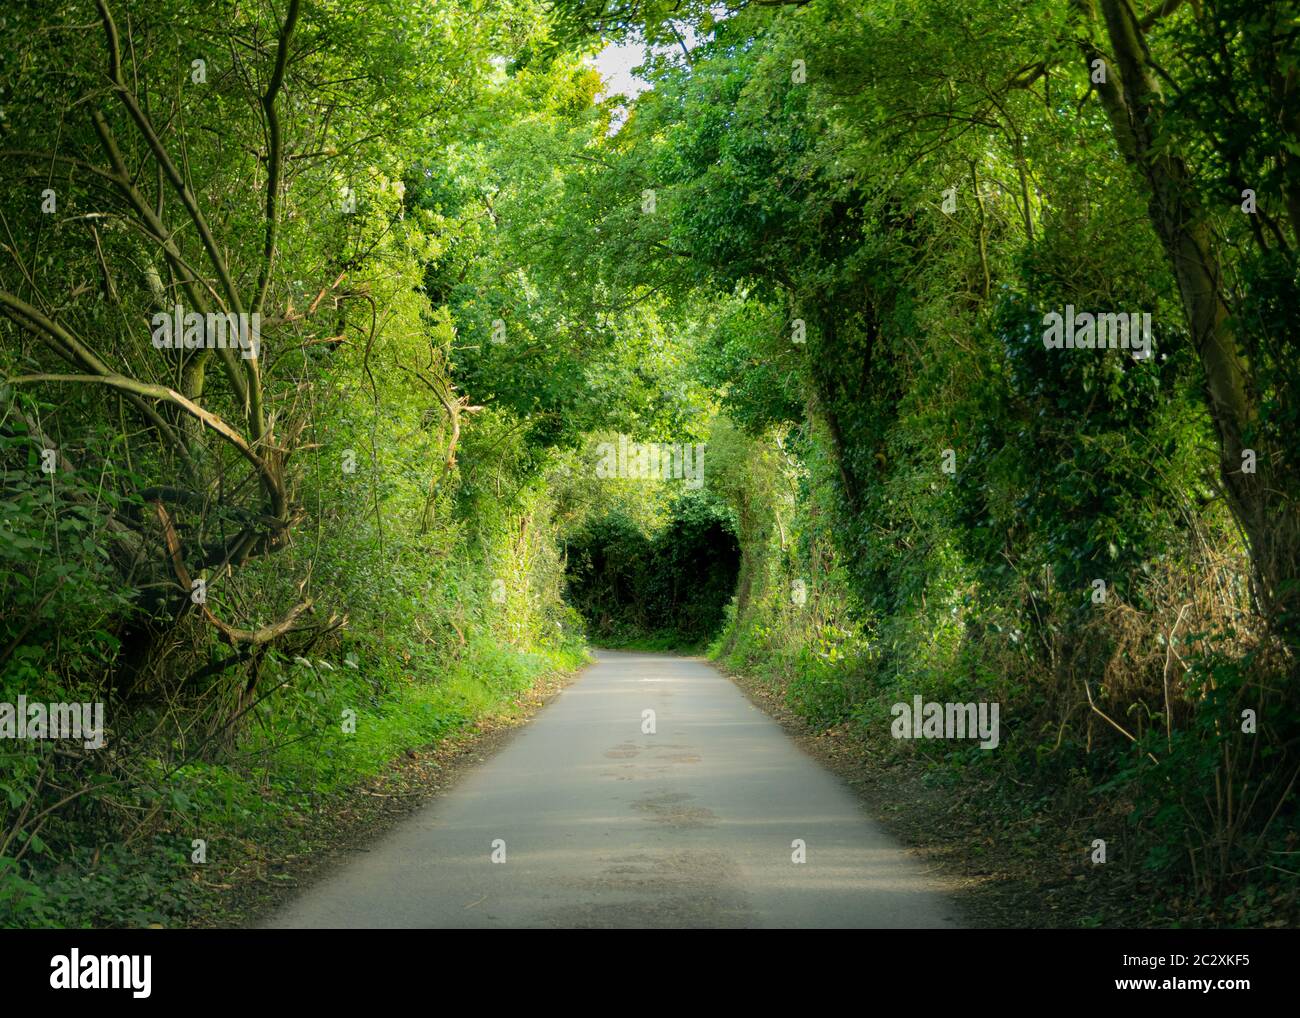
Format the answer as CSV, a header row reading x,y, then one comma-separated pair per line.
x,y
600,824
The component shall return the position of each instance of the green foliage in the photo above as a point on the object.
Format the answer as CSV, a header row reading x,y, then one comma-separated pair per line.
x,y
670,585
925,495
341,491
823,244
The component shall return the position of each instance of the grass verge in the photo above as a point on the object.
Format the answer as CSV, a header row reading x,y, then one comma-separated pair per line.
x,y
222,841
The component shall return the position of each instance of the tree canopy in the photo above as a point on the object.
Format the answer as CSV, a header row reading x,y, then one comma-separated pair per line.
x,y
825,246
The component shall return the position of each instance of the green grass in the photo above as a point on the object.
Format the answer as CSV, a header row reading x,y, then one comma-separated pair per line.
x,y
419,711
297,757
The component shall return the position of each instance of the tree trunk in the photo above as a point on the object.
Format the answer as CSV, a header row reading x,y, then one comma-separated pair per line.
x,y
1262,507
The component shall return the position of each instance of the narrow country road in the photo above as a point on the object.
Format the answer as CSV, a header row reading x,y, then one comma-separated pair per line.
x,y
604,826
